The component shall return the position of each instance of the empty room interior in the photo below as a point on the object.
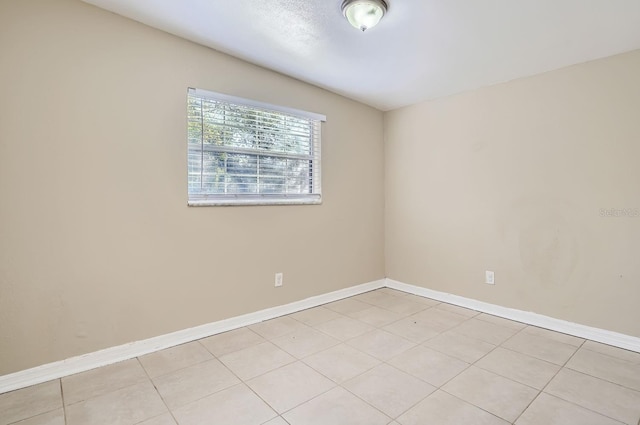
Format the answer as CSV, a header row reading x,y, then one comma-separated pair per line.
x,y
358,212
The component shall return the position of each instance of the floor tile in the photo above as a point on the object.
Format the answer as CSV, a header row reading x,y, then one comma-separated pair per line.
x,y
237,405
407,306
341,362
400,305
550,410
256,360
467,312
277,327
55,417
347,306
229,342
336,407
439,320
606,367
376,316
441,408
30,401
420,300
412,328
96,382
305,342
344,328
165,419
485,331
380,344
174,358
608,399
192,383
540,347
429,365
495,394
389,389
391,291
289,386
378,296
501,321
276,421
630,356
315,316
460,346
556,336
127,406
372,297
519,367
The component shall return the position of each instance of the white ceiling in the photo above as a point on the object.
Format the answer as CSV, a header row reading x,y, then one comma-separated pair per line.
x,y
422,49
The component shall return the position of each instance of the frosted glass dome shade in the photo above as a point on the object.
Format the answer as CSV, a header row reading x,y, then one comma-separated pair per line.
x,y
364,14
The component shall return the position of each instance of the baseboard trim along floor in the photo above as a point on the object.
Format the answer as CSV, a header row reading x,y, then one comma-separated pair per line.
x,y
587,332
131,350
55,370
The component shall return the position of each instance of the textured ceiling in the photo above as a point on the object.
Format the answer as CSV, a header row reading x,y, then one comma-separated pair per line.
x,y
422,49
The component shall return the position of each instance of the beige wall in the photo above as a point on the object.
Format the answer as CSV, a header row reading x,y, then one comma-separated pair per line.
x,y
98,247
511,178
97,244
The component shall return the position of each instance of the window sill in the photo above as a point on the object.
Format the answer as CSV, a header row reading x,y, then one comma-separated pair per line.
x,y
235,202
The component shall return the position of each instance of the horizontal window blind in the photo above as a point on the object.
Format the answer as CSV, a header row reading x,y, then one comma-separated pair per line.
x,y
246,152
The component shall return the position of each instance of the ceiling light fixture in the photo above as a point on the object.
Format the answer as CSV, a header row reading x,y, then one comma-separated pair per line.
x,y
364,14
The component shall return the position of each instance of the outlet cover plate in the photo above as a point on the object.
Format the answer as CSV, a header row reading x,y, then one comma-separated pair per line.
x,y
489,278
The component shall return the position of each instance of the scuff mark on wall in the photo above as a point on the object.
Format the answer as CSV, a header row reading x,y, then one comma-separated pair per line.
x,y
548,249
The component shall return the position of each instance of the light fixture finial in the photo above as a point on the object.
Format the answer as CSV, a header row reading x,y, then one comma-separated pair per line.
x,y
364,14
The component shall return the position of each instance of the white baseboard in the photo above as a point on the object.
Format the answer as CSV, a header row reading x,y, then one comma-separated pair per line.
x,y
128,351
47,372
595,334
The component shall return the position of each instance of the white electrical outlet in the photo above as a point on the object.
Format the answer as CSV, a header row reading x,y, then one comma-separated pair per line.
x,y
489,278
279,278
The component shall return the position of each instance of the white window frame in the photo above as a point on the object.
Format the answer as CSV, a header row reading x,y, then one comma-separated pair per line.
x,y
216,199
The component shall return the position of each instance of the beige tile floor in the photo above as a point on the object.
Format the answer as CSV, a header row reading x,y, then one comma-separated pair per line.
x,y
383,357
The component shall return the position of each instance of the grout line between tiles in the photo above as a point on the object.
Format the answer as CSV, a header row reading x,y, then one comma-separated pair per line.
x,y
540,391
43,412
374,407
339,385
312,398
526,355
406,373
243,382
234,351
441,387
471,404
353,377
529,404
635,363
386,362
400,298
64,405
179,369
550,380
319,323
584,407
599,377
297,405
157,391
